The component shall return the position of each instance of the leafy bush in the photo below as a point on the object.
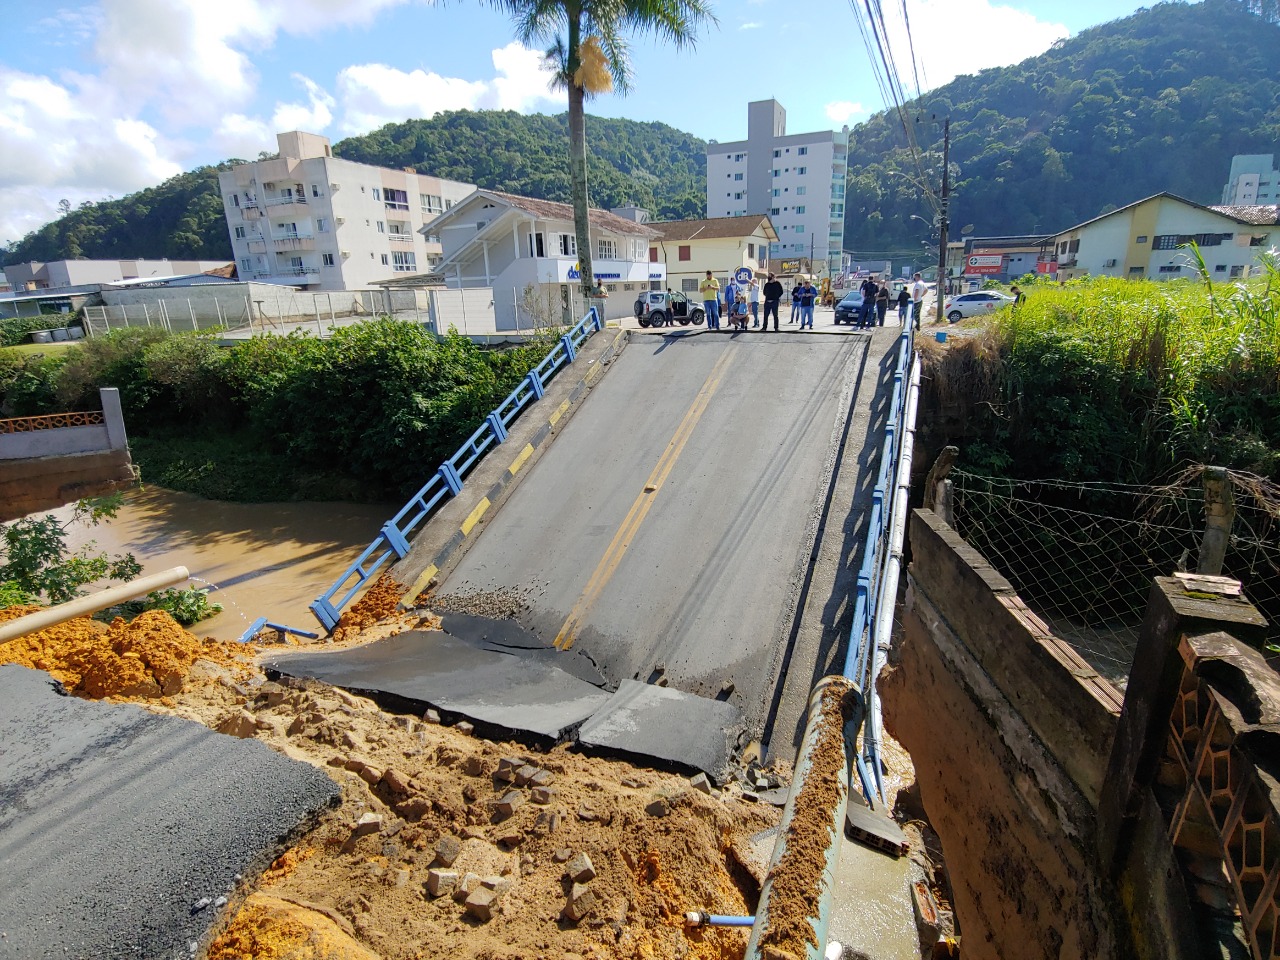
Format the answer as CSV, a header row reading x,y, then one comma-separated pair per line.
x,y
185,606
27,384
116,359
14,330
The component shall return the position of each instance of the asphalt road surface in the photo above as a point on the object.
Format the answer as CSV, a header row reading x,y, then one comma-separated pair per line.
x,y
670,524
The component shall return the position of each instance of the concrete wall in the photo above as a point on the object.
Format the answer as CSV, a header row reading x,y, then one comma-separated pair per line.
x,y
1010,733
1074,824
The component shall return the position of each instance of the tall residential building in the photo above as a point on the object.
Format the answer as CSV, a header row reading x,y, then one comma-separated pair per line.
x,y
1254,180
797,179
312,220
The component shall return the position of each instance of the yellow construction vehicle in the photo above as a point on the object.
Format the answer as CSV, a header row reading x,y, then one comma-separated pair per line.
x,y
825,297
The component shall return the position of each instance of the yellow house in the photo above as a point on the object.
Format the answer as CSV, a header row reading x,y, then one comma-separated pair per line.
x,y
690,248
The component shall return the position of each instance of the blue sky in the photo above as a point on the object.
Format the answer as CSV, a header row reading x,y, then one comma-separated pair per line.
x,y
100,99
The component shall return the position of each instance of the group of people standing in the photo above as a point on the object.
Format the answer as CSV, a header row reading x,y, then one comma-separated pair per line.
x,y
743,299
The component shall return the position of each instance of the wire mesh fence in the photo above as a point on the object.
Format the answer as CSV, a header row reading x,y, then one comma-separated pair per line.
x,y
1083,555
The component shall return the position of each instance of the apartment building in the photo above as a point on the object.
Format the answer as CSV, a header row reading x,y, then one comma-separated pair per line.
x,y
1254,179
315,221
798,180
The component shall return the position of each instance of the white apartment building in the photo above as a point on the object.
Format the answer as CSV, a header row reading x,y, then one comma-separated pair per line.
x,y
798,180
1254,180
314,221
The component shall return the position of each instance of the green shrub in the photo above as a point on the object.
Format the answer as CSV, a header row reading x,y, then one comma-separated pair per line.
x,y
14,330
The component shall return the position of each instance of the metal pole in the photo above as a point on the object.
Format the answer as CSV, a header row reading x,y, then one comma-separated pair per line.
x,y
1219,514
248,312
194,325
315,304
332,321
217,309
146,313
942,216
82,606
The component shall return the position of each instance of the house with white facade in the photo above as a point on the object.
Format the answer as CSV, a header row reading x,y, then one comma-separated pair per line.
x,y
1147,239
57,274
689,248
797,179
1254,179
526,252
314,221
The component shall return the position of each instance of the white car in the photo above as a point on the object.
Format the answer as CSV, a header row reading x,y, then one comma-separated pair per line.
x,y
972,304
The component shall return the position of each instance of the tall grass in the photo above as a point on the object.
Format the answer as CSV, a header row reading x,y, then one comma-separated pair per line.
x,y
1126,380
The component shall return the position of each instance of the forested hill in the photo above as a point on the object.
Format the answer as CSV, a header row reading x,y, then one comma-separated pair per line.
x,y
1157,101
650,164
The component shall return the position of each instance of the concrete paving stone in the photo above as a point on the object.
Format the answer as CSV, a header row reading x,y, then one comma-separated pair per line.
x,y
441,882
115,822
644,720
525,774
516,688
511,801
482,903
580,869
447,849
542,795
582,901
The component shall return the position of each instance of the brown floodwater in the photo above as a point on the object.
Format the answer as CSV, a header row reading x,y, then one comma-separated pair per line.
x,y
265,559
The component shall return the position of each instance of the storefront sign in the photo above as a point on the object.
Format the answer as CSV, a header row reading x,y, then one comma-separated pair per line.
x,y
983,263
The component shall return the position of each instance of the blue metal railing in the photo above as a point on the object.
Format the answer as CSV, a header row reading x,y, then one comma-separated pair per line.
x,y
393,538
875,580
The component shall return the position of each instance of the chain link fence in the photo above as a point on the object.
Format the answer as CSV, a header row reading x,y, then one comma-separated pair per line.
x,y
1083,555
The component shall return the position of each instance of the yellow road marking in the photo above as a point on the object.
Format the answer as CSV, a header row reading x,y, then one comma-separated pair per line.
x,y
560,411
474,517
519,461
422,583
608,565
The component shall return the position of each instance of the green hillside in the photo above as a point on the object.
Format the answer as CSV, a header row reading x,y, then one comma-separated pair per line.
x,y
1157,101
650,164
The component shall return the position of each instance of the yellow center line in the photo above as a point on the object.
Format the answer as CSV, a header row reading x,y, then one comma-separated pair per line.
x,y
608,565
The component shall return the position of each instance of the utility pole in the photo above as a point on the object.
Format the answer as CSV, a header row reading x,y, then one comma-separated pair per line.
x,y
942,216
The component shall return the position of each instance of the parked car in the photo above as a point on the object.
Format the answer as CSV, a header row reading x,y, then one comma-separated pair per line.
x,y
655,308
849,309
972,304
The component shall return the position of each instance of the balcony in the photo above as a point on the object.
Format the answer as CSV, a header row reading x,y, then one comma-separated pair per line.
x,y
396,205
293,241
251,211
288,274
286,201
257,245
401,238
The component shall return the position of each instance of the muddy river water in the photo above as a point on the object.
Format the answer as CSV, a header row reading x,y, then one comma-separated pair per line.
x,y
266,559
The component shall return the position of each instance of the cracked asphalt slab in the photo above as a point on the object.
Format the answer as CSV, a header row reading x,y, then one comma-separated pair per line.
x,y
124,833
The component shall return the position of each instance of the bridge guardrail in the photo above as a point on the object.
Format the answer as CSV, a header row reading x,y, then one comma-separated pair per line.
x,y
447,481
877,583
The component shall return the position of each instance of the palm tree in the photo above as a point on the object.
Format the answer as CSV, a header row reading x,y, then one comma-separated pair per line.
x,y
589,56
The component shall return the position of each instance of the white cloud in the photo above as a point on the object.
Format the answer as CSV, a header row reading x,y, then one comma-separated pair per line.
x,y
842,111
952,37
55,145
373,94
749,25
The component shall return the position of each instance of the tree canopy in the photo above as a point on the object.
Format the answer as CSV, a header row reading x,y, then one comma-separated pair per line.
x,y
1157,101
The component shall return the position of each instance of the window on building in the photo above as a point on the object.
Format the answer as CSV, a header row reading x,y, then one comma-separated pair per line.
x,y
240,233
377,194
315,189
777,172
433,238
689,285
739,157
1135,271
653,254
800,208
1141,239
397,199
326,259
1220,268
322,225
384,259
535,245
1167,242
777,192
751,250
568,245
1237,271
684,252
773,211
777,154
246,266
607,249
404,261
799,228
431,203
448,204
737,176
382,227
801,191
802,170
1260,241
1171,268
803,151
235,199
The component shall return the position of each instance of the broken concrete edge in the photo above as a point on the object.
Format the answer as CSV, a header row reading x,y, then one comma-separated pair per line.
x,y
251,876
481,505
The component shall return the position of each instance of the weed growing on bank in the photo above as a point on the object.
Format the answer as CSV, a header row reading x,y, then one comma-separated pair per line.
x,y
1121,380
366,414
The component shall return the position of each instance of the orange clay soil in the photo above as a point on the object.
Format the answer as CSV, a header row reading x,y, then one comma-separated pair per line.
x,y
146,658
379,601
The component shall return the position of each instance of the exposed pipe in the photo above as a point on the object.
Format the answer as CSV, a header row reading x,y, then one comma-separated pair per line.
x,y
700,918
844,713
83,606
